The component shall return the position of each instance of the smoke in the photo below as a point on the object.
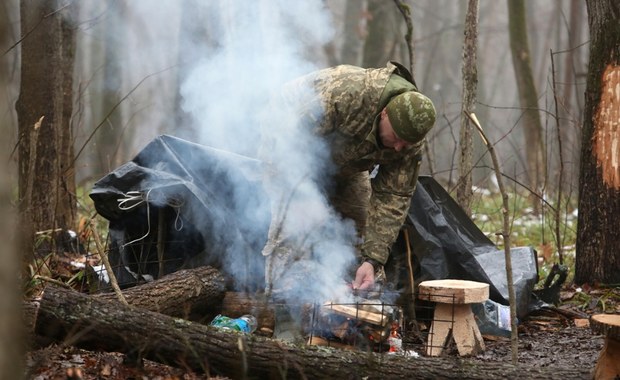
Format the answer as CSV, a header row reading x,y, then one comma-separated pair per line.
x,y
231,60
255,47
234,92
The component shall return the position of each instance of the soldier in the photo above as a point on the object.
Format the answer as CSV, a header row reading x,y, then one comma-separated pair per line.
x,y
368,119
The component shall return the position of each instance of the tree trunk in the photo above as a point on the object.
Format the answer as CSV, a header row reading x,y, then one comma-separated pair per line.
x,y
528,98
570,112
353,39
111,140
77,319
46,176
383,41
11,347
598,257
470,85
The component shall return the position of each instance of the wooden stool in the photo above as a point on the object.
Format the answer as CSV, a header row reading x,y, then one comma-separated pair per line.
x,y
453,312
608,364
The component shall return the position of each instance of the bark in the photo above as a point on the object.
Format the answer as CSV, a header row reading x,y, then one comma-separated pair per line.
x,y
77,319
46,179
190,294
470,85
528,98
597,257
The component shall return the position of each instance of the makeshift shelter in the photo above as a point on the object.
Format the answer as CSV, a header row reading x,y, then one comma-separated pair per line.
x,y
178,204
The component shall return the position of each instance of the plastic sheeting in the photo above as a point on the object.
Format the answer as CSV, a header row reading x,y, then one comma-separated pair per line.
x,y
205,205
208,208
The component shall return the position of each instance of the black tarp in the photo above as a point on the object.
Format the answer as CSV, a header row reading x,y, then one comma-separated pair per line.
x,y
448,244
209,204
206,199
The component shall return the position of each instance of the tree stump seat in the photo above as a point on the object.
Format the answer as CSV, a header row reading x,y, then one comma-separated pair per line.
x,y
453,299
608,363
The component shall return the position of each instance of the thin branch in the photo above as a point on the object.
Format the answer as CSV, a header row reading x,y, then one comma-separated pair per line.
x,y
108,267
512,299
90,137
34,28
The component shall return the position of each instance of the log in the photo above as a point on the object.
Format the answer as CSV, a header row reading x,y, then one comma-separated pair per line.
x,y
608,363
93,323
191,294
197,295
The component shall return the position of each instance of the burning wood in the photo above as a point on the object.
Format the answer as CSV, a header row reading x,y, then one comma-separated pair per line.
x,y
360,312
362,324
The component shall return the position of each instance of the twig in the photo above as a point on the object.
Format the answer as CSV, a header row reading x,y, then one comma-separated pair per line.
x,y
51,280
409,262
108,267
506,237
112,111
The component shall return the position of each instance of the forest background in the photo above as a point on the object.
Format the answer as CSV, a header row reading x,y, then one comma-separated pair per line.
x,y
187,68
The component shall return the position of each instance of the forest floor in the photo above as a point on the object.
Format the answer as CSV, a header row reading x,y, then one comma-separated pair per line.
x,y
556,337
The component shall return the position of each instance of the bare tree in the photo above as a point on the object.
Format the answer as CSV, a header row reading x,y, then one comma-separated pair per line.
x,y
351,47
11,350
109,139
384,41
598,257
571,114
470,84
528,96
44,108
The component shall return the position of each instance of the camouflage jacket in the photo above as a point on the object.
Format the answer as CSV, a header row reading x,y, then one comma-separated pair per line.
x,y
344,110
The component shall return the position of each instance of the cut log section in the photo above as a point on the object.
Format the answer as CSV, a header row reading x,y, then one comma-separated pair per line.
x,y
354,312
608,364
453,291
453,314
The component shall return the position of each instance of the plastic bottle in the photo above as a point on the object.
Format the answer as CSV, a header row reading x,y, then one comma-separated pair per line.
x,y
246,323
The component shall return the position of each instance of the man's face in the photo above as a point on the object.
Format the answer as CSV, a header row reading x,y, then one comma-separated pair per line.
x,y
387,135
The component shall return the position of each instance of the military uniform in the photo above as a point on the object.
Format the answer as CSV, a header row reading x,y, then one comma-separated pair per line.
x,y
344,110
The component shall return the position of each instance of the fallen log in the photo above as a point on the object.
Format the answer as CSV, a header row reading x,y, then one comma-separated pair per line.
x,y
197,295
92,323
190,293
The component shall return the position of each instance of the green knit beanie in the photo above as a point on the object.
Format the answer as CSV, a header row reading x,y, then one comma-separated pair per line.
x,y
412,115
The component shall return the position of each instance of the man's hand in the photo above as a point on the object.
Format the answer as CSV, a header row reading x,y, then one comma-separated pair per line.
x,y
364,277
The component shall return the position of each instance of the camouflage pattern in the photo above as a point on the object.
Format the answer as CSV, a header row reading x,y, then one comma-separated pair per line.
x,y
344,109
412,115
